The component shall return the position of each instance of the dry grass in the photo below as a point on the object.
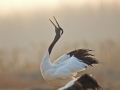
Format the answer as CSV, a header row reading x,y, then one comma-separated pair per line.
x,y
19,67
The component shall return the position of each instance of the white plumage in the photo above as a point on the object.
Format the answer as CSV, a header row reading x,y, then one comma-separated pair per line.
x,y
69,67
65,68
69,84
58,74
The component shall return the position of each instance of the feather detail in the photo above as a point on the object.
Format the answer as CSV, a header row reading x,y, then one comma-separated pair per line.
x,y
61,59
69,68
84,55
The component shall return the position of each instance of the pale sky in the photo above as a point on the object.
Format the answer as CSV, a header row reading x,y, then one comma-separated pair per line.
x,y
27,21
10,6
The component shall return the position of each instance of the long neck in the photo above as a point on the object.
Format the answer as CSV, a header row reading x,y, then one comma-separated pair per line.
x,y
46,64
53,43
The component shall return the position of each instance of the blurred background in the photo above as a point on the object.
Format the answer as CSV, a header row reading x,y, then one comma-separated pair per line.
x,y
26,33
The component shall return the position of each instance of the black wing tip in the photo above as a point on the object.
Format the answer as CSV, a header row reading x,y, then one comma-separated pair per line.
x,y
85,56
80,50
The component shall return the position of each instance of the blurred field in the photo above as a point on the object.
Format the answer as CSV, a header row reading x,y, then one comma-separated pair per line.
x,y
22,72
25,34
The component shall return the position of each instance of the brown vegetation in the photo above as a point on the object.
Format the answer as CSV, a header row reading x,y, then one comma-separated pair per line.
x,y
19,67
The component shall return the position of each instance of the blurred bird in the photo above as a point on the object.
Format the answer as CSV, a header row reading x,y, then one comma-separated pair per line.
x,y
65,68
85,82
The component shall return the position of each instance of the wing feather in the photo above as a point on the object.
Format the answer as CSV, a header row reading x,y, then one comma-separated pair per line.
x,y
69,68
61,59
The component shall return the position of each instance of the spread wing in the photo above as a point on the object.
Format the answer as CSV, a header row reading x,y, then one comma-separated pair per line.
x,y
69,67
77,61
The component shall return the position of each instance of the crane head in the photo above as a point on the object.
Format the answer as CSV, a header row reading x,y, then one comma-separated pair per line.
x,y
58,29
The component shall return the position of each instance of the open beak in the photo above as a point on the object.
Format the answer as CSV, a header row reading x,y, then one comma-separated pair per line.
x,y
56,22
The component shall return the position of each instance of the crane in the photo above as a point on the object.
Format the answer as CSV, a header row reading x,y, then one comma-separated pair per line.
x,y
84,82
66,67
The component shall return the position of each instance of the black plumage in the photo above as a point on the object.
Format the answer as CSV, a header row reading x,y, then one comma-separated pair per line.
x,y
85,82
84,55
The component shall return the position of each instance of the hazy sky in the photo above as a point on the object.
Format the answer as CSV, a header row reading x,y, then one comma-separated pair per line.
x,y
27,21
8,7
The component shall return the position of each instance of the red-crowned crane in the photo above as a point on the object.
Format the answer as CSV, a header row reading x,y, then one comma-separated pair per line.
x,y
65,68
85,82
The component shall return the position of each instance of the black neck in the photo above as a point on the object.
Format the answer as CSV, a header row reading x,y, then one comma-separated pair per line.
x,y
53,43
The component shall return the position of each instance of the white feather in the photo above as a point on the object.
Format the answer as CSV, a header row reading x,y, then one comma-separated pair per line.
x,y
69,68
68,84
62,71
61,59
